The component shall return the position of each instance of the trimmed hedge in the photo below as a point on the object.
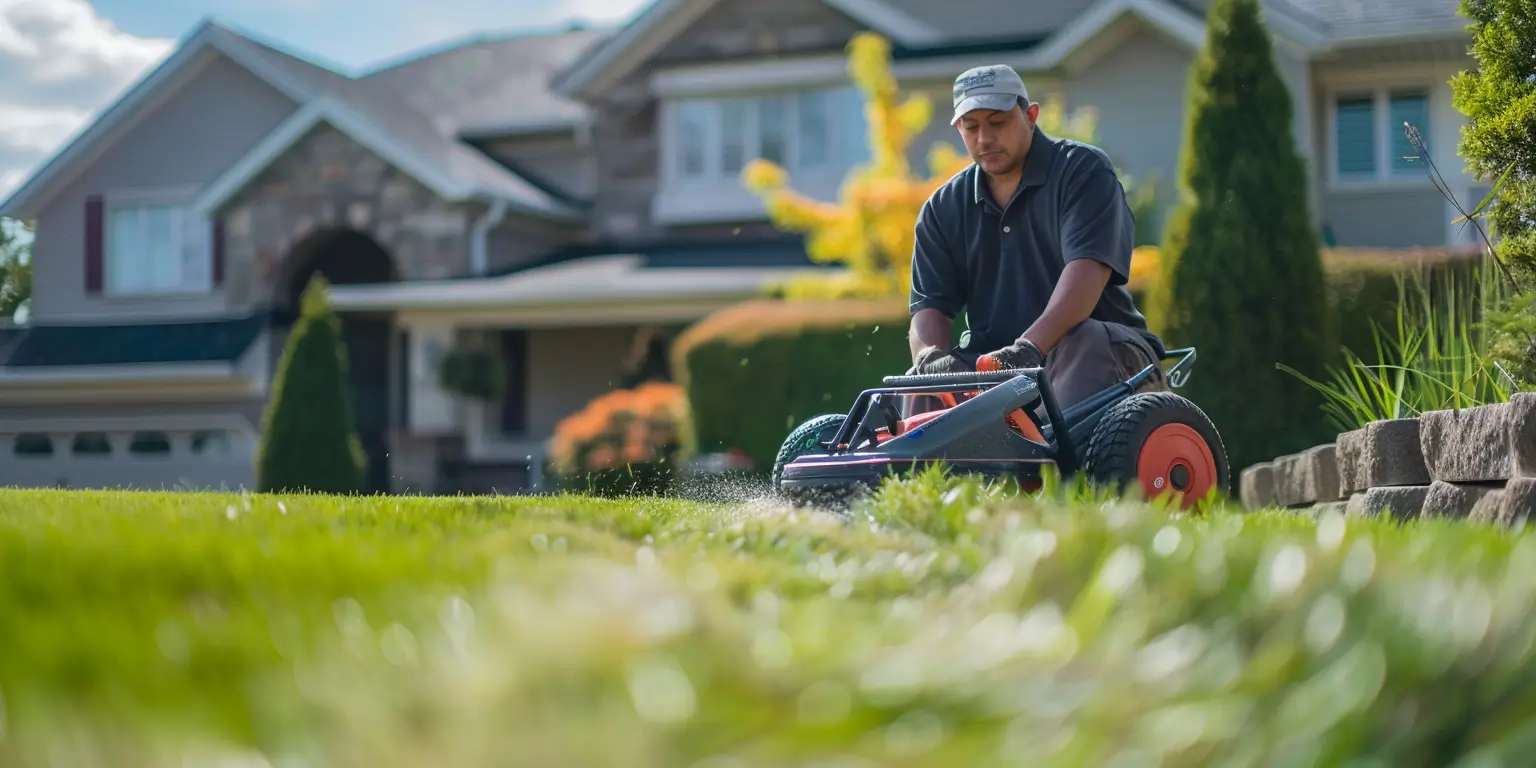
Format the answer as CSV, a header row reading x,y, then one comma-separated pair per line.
x,y
753,371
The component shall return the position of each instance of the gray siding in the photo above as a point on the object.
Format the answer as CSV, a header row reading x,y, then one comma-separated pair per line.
x,y
1386,219
188,140
737,29
1137,91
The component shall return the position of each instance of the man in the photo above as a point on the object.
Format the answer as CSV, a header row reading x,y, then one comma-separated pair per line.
x,y
1034,240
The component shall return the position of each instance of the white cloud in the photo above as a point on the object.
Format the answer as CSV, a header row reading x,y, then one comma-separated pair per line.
x,y
59,63
601,11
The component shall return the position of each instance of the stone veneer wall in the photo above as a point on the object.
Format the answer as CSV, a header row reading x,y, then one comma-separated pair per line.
x,y
1474,463
328,180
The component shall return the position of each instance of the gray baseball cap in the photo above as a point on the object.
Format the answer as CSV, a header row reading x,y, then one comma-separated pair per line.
x,y
995,86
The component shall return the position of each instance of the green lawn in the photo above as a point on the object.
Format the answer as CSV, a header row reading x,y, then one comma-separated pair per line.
x,y
945,627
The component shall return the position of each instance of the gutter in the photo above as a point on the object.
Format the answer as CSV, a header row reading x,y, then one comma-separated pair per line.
x,y
481,233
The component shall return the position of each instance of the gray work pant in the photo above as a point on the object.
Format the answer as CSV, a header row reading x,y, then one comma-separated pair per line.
x,y
1092,357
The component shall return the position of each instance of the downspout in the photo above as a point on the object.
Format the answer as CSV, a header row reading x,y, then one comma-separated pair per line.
x,y
481,234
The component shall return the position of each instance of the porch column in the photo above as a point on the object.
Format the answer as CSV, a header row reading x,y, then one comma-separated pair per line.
x,y
430,409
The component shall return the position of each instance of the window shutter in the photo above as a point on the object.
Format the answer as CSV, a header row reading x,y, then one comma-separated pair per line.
x,y
1356,136
218,252
93,245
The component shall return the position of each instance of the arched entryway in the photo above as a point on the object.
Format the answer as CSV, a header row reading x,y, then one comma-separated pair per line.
x,y
349,257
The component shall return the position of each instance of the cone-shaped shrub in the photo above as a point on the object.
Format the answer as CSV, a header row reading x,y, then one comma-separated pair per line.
x,y
308,440
1242,276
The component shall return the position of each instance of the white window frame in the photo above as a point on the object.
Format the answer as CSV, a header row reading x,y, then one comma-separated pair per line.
x,y
717,194
837,159
1384,132
196,232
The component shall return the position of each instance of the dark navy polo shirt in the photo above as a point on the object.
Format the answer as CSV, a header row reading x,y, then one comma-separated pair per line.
x,y
1001,264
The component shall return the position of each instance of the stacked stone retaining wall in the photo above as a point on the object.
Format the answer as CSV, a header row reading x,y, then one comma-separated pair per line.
x,y
1475,463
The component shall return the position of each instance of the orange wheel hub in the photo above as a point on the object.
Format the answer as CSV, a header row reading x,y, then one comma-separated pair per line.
x,y
1176,458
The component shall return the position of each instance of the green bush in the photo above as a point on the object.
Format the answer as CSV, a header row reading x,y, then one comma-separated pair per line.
x,y
1241,274
753,371
308,440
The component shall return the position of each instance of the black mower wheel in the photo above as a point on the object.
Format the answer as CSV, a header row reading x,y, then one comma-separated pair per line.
x,y
804,439
1162,442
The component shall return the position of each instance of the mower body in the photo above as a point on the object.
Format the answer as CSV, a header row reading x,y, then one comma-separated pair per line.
x,y
1004,424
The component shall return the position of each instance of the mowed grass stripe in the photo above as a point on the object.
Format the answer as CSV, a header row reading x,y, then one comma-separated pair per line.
x,y
942,624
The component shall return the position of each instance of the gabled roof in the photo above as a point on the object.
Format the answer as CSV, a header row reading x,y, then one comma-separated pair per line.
x,y
915,24
492,85
372,110
1349,20
1056,27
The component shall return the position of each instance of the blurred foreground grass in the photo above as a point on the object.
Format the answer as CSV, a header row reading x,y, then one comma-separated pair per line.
x,y
945,626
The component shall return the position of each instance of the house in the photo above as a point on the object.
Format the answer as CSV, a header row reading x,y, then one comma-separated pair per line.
x,y
547,195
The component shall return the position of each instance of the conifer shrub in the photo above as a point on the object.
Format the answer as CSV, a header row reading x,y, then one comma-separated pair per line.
x,y
1498,96
1242,276
309,441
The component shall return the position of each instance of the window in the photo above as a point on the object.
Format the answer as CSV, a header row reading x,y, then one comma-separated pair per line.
x,y
91,444
692,139
212,442
32,444
155,248
714,139
150,444
1370,138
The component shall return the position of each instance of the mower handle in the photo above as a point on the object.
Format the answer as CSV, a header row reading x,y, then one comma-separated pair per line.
x,y
1178,375
965,377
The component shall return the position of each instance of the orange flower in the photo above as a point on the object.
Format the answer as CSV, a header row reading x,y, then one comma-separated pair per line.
x,y
617,427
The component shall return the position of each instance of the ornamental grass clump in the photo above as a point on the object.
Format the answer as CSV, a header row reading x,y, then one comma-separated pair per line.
x,y
1436,355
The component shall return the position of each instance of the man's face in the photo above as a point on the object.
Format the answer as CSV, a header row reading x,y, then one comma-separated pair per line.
x,y
998,141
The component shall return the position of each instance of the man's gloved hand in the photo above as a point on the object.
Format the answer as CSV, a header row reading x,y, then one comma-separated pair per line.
x,y
1020,354
934,360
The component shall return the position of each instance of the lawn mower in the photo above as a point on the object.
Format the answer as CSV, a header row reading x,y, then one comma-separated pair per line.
x,y
1008,423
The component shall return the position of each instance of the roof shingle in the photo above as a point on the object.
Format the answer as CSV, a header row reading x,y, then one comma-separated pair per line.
x,y
402,103
173,342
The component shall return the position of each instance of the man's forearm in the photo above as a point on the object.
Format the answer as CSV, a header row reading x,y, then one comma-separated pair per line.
x,y
1077,293
930,328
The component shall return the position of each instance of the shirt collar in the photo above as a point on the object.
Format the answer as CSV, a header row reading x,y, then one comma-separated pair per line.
x,y
1037,165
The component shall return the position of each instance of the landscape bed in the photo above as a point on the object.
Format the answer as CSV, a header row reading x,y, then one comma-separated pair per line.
x,y
946,624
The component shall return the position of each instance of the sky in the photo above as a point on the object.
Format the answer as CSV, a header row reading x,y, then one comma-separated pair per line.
x,y
63,60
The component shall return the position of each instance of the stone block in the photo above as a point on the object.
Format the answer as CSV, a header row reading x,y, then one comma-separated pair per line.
x,y
1403,502
1309,477
1319,510
1484,444
1522,406
1460,500
1381,454
1519,502
1281,469
1257,486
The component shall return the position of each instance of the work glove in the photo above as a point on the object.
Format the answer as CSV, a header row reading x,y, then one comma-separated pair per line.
x,y
934,360
1020,354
